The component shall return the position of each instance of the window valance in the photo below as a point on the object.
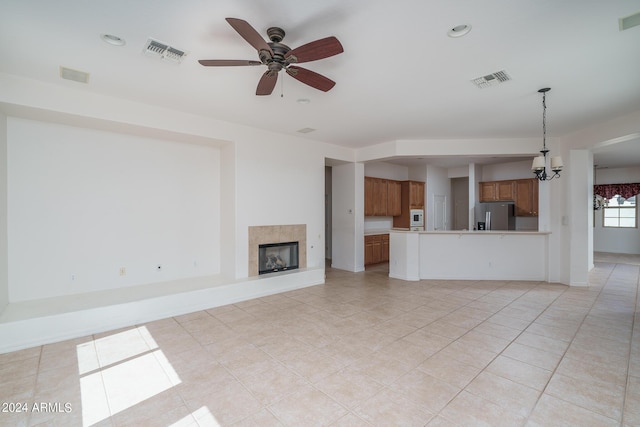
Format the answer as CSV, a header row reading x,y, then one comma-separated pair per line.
x,y
609,190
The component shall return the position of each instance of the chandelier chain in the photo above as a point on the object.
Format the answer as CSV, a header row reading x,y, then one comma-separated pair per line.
x,y
544,121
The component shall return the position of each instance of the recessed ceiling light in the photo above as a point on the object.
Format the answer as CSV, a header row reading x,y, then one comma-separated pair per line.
x,y
114,40
459,30
303,101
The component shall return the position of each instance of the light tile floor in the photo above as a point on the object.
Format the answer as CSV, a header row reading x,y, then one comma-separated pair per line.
x,y
360,350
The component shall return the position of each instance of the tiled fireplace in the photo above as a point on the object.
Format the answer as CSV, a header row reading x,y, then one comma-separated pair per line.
x,y
272,236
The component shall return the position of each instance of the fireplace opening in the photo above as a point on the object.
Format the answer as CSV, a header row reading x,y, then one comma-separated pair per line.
x,y
274,257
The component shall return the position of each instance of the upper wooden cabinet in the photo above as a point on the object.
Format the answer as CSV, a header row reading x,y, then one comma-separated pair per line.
x,y
394,197
527,197
416,194
497,191
382,197
524,192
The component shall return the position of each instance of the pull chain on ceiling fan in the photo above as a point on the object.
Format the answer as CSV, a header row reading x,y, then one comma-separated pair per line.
x,y
277,56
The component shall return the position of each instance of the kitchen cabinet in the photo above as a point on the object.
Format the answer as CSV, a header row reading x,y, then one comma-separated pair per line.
x,y
376,249
526,197
524,192
382,197
412,193
394,198
497,191
416,194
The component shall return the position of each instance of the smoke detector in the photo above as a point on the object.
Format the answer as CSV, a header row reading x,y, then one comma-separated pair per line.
x,y
491,79
163,51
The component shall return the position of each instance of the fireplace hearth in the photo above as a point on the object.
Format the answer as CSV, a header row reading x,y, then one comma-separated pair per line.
x,y
273,257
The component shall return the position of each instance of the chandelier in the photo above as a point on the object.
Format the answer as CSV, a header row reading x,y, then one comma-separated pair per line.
x,y
539,166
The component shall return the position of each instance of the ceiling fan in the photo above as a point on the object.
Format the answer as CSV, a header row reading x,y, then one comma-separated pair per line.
x,y
277,56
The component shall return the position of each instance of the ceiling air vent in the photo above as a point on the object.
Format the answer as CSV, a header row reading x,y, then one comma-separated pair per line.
x,y
629,21
163,51
491,79
306,130
75,75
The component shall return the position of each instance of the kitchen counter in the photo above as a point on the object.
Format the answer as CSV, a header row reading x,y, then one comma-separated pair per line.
x,y
376,232
471,232
468,255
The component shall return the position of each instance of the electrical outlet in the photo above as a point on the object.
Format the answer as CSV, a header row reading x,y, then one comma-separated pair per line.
x,y
123,271
159,267
73,277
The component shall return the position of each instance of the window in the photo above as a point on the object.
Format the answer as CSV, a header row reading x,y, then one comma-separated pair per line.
x,y
620,212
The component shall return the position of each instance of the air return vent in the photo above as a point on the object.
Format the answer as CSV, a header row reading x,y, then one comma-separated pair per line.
x,y
163,51
75,75
629,21
491,79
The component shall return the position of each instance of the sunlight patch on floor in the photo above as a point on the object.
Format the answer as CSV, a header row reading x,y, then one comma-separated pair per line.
x,y
119,371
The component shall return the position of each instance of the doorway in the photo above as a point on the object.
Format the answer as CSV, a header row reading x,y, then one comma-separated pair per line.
x,y
460,196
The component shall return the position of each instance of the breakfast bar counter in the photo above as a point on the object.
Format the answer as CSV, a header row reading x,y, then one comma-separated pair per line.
x,y
468,255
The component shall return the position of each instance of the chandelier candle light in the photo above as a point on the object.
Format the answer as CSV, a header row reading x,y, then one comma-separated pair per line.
x,y
539,166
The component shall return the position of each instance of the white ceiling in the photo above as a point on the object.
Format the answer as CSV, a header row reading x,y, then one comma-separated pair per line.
x,y
400,76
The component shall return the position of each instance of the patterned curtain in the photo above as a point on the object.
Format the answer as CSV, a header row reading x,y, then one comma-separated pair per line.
x,y
609,190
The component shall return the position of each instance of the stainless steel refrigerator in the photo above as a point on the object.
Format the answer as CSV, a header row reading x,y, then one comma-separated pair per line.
x,y
496,216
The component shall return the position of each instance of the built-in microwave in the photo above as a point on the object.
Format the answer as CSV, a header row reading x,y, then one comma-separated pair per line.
x,y
416,219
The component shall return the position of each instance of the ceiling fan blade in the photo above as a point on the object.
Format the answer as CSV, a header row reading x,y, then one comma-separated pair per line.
x,y
311,78
315,50
249,34
267,83
227,62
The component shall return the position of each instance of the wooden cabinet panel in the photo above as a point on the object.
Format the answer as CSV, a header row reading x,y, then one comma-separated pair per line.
x,y
416,195
488,191
368,196
527,197
394,198
497,191
382,197
376,249
505,190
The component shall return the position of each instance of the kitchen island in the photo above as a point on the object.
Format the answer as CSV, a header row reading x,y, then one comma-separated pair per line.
x,y
468,255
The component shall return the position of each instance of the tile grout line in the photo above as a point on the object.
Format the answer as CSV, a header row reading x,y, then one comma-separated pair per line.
x,y
553,373
633,328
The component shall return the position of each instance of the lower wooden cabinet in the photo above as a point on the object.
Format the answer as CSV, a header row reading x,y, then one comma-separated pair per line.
x,y
376,248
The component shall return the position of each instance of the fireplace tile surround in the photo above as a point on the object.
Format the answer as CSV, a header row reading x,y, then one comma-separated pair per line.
x,y
265,234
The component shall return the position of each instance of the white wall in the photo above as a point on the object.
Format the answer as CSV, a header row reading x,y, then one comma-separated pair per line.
x,y
280,180
616,240
85,203
563,216
386,171
4,266
510,170
348,217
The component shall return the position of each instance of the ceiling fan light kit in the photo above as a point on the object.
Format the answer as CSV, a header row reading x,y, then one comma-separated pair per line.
x,y
278,56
